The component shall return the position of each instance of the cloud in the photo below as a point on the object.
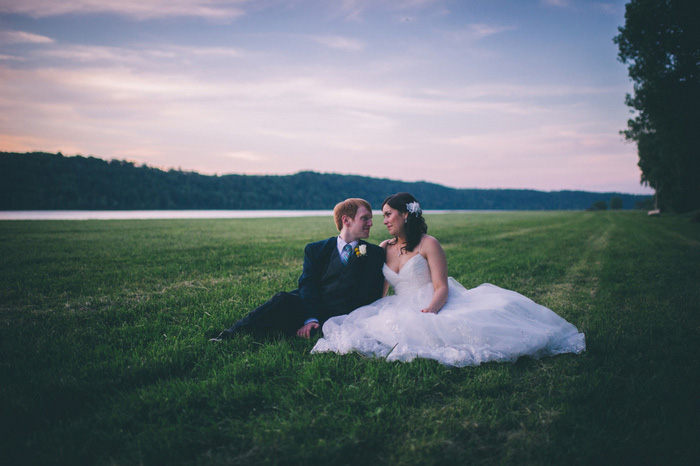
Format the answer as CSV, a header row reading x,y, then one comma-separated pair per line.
x,y
608,8
557,3
574,155
475,32
92,54
480,31
248,156
356,9
340,43
517,92
138,9
215,52
21,37
556,140
143,57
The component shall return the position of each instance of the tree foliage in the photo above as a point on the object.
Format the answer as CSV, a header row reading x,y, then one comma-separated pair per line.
x,y
616,203
40,181
599,205
660,43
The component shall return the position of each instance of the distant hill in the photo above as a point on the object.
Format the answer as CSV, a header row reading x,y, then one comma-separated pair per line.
x,y
42,181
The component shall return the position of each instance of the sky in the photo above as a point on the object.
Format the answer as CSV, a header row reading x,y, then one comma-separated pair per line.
x,y
524,94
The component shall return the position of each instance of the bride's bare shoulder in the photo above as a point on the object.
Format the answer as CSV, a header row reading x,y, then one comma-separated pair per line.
x,y
428,240
429,243
385,243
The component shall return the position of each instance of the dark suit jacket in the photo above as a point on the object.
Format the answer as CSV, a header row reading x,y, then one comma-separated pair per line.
x,y
363,277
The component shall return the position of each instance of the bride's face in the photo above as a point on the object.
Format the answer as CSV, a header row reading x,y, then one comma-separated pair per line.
x,y
393,220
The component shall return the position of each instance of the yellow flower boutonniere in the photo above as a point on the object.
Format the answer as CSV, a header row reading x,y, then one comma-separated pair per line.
x,y
361,250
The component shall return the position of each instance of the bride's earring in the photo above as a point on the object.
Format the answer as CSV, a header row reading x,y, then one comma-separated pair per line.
x,y
405,220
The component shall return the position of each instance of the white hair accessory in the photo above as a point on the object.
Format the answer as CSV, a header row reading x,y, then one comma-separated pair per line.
x,y
414,208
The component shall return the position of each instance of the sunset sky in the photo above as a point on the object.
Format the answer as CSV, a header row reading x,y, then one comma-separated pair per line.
x,y
465,93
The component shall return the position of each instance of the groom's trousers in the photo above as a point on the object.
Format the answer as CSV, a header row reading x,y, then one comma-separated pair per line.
x,y
283,312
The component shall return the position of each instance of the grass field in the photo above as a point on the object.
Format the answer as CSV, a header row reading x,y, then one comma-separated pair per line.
x,y
105,358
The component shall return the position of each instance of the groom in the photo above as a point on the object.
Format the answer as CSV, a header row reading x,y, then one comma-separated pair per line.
x,y
340,274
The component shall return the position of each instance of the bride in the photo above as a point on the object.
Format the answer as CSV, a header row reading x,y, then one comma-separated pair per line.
x,y
432,316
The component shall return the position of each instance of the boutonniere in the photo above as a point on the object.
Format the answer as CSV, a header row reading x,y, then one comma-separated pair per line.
x,y
361,250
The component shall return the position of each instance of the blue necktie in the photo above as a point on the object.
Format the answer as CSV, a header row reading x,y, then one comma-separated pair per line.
x,y
345,254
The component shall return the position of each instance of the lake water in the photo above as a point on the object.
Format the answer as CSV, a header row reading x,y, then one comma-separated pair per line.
x,y
164,214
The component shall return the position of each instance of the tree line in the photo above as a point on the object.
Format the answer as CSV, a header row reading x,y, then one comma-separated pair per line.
x,y
43,181
660,43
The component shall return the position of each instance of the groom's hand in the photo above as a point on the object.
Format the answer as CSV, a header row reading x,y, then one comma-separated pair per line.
x,y
305,331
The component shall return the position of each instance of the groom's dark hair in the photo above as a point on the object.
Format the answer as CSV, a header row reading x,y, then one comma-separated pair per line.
x,y
348,207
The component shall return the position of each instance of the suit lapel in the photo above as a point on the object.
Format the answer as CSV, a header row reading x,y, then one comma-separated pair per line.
x,y
357,262
330,257
354,258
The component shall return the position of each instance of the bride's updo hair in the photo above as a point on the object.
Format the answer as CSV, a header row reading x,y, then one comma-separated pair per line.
x,y
415,226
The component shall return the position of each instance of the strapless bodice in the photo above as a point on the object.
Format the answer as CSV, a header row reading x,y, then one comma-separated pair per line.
x,y
412,277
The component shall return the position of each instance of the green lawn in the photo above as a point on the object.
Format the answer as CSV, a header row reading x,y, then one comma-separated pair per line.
x,y
105,358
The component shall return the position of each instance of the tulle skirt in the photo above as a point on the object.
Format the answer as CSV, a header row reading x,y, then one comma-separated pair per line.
x,y
486,323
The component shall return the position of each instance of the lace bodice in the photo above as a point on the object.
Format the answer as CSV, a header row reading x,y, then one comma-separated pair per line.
x,y
414,276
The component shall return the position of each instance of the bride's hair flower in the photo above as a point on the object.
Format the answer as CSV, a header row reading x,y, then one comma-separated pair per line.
x,y
361,250
414,208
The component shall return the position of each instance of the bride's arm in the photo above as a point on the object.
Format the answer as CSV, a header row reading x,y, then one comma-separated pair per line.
x,y
432,251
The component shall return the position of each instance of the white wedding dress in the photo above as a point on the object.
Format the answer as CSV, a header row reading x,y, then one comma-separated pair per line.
x,y
486,323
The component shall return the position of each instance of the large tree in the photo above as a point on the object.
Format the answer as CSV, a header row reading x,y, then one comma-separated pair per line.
x,y
660,43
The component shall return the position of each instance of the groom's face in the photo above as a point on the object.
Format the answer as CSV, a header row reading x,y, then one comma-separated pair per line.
x,y
359,226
